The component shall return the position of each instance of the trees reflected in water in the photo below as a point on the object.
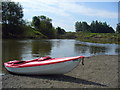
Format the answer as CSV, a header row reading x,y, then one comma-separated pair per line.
x,y
22,49
41,48
11,49
81,48
117,50
29,49
97,49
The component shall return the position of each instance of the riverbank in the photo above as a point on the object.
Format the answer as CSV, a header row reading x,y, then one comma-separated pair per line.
x,y
93,37
98,72
99,37
30,33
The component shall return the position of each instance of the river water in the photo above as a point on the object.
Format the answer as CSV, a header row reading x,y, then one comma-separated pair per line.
x,y
28,49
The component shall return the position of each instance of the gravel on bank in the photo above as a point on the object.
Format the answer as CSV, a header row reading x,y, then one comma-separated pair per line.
x,y
98,72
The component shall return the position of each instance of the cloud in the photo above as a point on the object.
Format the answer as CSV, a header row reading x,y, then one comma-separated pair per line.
x,y
64,8
84,10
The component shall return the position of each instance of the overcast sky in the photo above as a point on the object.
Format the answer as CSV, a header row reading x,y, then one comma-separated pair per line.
x,y
65,13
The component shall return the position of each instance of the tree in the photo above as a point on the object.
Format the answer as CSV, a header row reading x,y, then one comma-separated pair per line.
x,y
101,27
85,27
78,26
12,13
118,28
44,25
60,31
95,27
36,22
82,27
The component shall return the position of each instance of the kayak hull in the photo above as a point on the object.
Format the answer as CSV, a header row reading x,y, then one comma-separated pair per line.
x,y
59,68
54,68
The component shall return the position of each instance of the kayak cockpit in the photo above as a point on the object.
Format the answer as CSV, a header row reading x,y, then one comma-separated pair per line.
x,y
22,62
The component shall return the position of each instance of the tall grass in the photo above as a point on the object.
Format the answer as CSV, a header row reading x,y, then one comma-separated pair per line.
x,y
99,37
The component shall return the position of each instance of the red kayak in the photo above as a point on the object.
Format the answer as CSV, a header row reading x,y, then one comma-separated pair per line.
x,y
44,65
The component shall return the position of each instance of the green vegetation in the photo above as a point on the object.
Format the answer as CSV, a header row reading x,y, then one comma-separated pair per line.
x,y
99,37
82,27
20,32
118,28
32,33
93,37
44,25
60,31
68,35
12,13
13,26
95,27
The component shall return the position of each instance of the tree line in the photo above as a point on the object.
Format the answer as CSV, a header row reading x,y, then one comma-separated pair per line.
x,y
118,28
12,15
44,25
13,24
94,27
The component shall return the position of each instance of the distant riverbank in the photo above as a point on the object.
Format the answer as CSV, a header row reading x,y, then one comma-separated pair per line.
x,y
99,37
93,37
85,37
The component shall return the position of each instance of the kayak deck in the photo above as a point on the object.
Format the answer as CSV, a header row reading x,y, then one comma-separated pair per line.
x,y
44,65
39,62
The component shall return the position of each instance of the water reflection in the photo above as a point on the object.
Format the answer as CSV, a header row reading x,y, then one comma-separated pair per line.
x,y
80,48
96,49
30,49
63,48
41,48
92,50
117,50
11,49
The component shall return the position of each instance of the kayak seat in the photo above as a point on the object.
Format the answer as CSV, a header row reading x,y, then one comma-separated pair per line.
x,y
44,58
19,62
32,60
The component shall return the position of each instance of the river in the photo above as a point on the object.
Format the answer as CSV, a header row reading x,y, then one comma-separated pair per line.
x,y
28,49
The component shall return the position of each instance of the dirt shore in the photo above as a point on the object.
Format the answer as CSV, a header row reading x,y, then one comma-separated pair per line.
x,y
98,72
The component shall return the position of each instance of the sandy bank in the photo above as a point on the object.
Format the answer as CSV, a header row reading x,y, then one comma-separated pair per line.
x,y
98,72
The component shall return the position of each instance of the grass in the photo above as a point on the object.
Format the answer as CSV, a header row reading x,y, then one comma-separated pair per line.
x,y
32,33
99,37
